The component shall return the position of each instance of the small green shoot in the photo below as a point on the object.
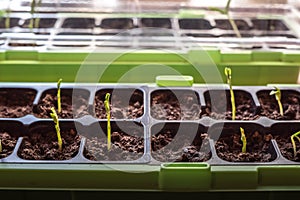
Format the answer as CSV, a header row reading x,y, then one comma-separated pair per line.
x,y
231,21
58,96
107,109
7,19
0,146
34,23
295,135
228,77
277,94
56,122
244,140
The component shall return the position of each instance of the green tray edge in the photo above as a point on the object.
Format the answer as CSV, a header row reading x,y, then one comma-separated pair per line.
x,y
249,67
142,177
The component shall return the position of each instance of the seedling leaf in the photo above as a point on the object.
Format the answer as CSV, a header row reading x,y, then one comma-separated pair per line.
x,y
107,109
56,122
244,140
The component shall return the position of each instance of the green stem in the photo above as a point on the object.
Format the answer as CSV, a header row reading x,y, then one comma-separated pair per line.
x,y
234,26
277,94
228,77
233,110
227,6
56,122
58,96
244,140
295,135
280,107
107,109
37,19
7,19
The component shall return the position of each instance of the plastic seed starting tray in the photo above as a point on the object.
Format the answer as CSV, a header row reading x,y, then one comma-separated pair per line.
x,y
176,31
164,138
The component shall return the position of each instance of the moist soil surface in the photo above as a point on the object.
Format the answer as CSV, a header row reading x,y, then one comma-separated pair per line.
x,y
42,145
69,109
156,22
245,108
225,24
229,148
166,106
118,23
16,103
43,23
120,109
123,148
200,24
179,150
80,23
8,144
286,147
269,25
290,103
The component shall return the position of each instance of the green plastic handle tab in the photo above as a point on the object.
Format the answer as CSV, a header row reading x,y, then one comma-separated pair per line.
x,y
169,80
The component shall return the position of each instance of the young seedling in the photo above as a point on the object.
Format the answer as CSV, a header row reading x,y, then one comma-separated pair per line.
x,y
7,19
107,109
295,135
34,4
58,96
231,21
244,140
228,77
0,146
56,122
277,94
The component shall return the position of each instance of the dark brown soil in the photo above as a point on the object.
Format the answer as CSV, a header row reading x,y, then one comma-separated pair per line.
x,y
76,107
21,44
14,22
8,144
229,148
16,102
179,150
199,24
290,103
124,148
156,22
286,147
42,145
269,25
245,108
175,105
225,24
117,23
43,23
122,106
83,23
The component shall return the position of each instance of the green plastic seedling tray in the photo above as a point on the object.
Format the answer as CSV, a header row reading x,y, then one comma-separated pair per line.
x,y
250,67
144,174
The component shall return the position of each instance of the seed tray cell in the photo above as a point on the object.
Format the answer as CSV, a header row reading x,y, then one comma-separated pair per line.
x,y
156,22
43,22
117,23
79,23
